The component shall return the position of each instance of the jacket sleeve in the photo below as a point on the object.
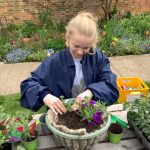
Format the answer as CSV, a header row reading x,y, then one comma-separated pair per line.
x,y
34,89
105,89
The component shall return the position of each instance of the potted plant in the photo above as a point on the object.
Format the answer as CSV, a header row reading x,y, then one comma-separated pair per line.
x,y
22,129
4,119
139,119
80,129
115,133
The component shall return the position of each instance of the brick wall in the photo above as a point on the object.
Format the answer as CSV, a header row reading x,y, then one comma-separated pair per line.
x,y
16,11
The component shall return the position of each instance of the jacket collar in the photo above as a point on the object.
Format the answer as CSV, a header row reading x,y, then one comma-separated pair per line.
x,y
70,61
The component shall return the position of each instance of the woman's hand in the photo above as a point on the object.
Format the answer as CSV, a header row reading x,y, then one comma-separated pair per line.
x,y
55,104
80,98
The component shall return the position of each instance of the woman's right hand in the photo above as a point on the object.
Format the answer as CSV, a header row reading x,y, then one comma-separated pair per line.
x,y
55,104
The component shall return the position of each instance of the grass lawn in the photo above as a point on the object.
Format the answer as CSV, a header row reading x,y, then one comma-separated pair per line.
x,y
11,103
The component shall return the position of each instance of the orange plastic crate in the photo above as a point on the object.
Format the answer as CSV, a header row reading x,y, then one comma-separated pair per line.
x,y
137,87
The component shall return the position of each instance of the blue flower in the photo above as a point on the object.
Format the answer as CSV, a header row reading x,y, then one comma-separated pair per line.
x,y
17,55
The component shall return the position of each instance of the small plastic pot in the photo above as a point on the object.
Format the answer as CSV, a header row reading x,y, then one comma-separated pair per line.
x,y
31,145
115,133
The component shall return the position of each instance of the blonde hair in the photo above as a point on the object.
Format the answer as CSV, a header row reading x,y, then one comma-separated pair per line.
x,y
86,24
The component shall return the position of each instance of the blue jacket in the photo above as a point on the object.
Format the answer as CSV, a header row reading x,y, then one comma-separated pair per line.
x,y
56,75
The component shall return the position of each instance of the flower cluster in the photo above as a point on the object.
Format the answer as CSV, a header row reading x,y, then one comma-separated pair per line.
x,y
146,46
19,128
93,111
17,55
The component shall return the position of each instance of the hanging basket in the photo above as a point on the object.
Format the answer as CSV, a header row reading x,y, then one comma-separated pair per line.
x,y
83,141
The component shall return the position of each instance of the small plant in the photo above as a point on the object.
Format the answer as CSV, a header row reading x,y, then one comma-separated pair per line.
x,y
139,112
20,128
37,56
90,111
68,104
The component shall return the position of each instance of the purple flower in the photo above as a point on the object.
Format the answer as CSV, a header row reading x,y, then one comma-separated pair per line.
x,y
83,105
97,117
91,124
92,102
99,113
14,139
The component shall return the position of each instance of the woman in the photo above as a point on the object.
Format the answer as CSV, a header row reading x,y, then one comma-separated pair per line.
x,y
79,70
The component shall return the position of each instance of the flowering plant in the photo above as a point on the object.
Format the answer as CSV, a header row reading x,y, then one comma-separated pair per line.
x,y
20,128
92,111
17,55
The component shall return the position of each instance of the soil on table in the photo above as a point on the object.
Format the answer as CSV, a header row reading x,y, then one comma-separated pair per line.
x,y
72,120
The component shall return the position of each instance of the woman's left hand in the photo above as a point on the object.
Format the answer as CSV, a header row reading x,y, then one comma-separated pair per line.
x,y
80,98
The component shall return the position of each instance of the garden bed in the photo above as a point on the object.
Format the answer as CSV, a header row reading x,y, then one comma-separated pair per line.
x,y
30,42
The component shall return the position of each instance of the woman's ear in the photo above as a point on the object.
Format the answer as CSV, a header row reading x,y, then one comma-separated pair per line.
x,y
67,37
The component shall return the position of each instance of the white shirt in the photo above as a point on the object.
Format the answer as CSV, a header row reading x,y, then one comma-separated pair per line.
x,y
79,82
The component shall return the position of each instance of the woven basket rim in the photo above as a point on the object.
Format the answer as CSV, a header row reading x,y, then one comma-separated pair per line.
x,y
81,137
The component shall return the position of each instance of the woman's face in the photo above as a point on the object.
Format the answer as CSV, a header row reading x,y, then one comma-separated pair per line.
x,y
79,44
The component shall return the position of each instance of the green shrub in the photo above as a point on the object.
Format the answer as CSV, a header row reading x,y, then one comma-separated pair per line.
x,y
56,44
29,28
37,56
47,22
4,48
137,24
26,29
129,35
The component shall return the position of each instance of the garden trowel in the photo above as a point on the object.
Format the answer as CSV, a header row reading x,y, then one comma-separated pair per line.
x,y
115,119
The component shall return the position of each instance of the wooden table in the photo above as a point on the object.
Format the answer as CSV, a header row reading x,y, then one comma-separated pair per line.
x,y
129,140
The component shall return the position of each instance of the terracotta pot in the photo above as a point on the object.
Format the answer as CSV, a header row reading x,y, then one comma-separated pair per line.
x,y
24,40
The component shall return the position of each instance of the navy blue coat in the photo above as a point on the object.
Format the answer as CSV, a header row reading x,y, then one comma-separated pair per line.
x,y
56,75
